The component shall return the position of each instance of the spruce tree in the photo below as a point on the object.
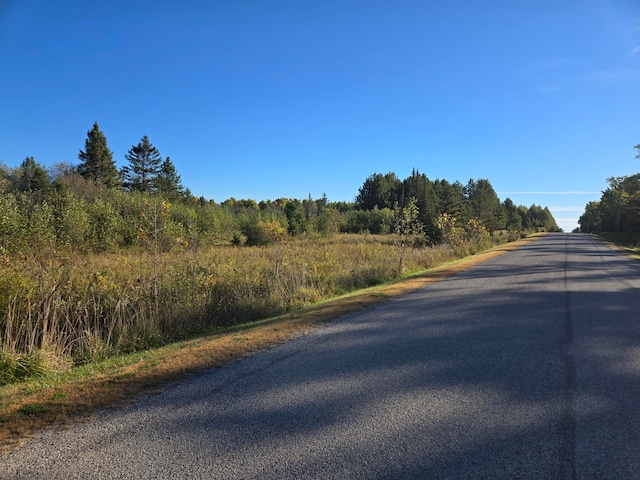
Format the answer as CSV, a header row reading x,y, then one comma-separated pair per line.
x,y
32,177
513,220
419,189
97,160
168,182
484,204
451,199
144,166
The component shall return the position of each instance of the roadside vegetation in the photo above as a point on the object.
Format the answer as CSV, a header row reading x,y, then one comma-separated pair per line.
x,y
627,244
59,398
616,216
97,262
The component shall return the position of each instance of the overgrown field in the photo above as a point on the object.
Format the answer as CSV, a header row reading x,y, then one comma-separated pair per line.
x,y
57,311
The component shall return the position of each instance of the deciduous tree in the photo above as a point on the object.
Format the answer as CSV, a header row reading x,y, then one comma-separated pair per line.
x,y
408,229
590,220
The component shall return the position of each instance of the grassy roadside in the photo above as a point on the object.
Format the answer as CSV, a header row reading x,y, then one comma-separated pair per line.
x,y
629,248
60,399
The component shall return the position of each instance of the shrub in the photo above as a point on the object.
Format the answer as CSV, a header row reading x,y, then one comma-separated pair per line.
x,y
265,233
14,368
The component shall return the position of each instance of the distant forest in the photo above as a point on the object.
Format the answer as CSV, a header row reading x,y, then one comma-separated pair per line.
x,y
96,207
618,210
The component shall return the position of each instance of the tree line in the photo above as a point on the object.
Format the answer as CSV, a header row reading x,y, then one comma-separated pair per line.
x,y
618,210
94,206
441,203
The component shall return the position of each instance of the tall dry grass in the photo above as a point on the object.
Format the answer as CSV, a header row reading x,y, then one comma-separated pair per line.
x,y
61,311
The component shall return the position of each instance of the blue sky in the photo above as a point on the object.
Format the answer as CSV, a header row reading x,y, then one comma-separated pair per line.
x,y
286,98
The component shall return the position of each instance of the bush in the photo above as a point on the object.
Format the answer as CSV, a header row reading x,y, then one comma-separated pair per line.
x,y
14,368
377,222
265,233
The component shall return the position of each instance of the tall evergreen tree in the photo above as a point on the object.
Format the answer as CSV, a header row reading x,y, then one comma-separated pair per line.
x,y
513,221
168,181
541,217
32,177
419,189
97,160
451,199
484,204
525,219
144,166
378,191
294,211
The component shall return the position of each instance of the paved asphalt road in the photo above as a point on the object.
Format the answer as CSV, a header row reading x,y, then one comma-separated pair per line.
x,y
527,366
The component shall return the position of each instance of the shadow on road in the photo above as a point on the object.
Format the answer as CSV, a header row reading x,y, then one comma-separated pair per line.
x,y
518,368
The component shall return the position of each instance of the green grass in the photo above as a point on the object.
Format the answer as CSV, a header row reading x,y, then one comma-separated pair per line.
x,y
18,367
33,409
55,379
626,243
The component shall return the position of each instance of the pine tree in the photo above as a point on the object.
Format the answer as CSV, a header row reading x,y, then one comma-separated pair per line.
x,y
378,190
97,160
144,166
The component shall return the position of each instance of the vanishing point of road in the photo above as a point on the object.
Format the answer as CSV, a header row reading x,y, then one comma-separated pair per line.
x,y
526,366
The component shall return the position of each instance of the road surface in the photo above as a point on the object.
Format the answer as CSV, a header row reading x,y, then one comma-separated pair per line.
x,y
527,366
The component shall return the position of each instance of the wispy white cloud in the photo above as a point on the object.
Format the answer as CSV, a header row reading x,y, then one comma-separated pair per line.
x,y
635,50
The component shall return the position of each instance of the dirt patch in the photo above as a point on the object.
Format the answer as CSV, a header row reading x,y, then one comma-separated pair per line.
x,y
23,413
